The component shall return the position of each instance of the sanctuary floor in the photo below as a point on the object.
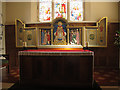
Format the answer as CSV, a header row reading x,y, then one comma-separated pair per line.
x,y
104,77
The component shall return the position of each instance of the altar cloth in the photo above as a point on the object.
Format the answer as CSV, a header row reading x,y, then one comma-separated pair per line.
x,y
57,52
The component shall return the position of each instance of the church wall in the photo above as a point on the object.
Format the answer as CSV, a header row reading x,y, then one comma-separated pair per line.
x,y
18,10
93,11
3,12
98,10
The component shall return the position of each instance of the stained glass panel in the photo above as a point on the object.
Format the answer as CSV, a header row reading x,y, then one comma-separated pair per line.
x,y
76,10
45,10
60,8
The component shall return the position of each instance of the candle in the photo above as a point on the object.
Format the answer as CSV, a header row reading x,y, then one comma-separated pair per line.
x,y
87,43
24,44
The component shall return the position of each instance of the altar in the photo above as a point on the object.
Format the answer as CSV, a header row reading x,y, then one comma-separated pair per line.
x,y
58,68
55,54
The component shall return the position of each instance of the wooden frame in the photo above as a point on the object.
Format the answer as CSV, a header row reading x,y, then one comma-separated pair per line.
x,y
19,26
90,35
101,34
30,36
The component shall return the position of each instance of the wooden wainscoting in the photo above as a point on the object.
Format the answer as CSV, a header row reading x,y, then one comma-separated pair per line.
x,y
108,57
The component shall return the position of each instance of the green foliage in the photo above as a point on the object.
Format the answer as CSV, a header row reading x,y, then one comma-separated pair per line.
x,y
117,38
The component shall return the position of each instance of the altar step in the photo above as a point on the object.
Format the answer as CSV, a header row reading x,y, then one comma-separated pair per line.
x,y
104,77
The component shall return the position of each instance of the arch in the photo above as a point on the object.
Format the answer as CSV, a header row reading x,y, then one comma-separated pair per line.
x,y
60,19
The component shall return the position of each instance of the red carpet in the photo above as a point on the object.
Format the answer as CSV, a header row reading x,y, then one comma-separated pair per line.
x,y
104,77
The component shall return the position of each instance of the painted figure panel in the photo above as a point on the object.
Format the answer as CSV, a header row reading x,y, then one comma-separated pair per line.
x,y
102,32
74,36
60,34
45,37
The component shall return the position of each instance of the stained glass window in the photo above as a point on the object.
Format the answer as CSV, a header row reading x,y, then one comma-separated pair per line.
x,y
76,10
49,11
60,8
45,10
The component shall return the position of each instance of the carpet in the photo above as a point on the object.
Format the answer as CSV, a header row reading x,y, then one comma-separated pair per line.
x,y
107,77
17,86
104,77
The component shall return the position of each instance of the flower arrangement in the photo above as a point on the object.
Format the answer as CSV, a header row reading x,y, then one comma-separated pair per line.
x,y
117,38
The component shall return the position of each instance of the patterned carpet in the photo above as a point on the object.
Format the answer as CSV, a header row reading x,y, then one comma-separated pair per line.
x,y
104,77
107,77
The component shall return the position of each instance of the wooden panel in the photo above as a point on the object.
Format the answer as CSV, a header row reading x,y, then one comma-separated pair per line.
x,y
102,60
38,25
76,68
72,69
113,61
56,70
10,44
26,68
82,24
40,68
108,57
